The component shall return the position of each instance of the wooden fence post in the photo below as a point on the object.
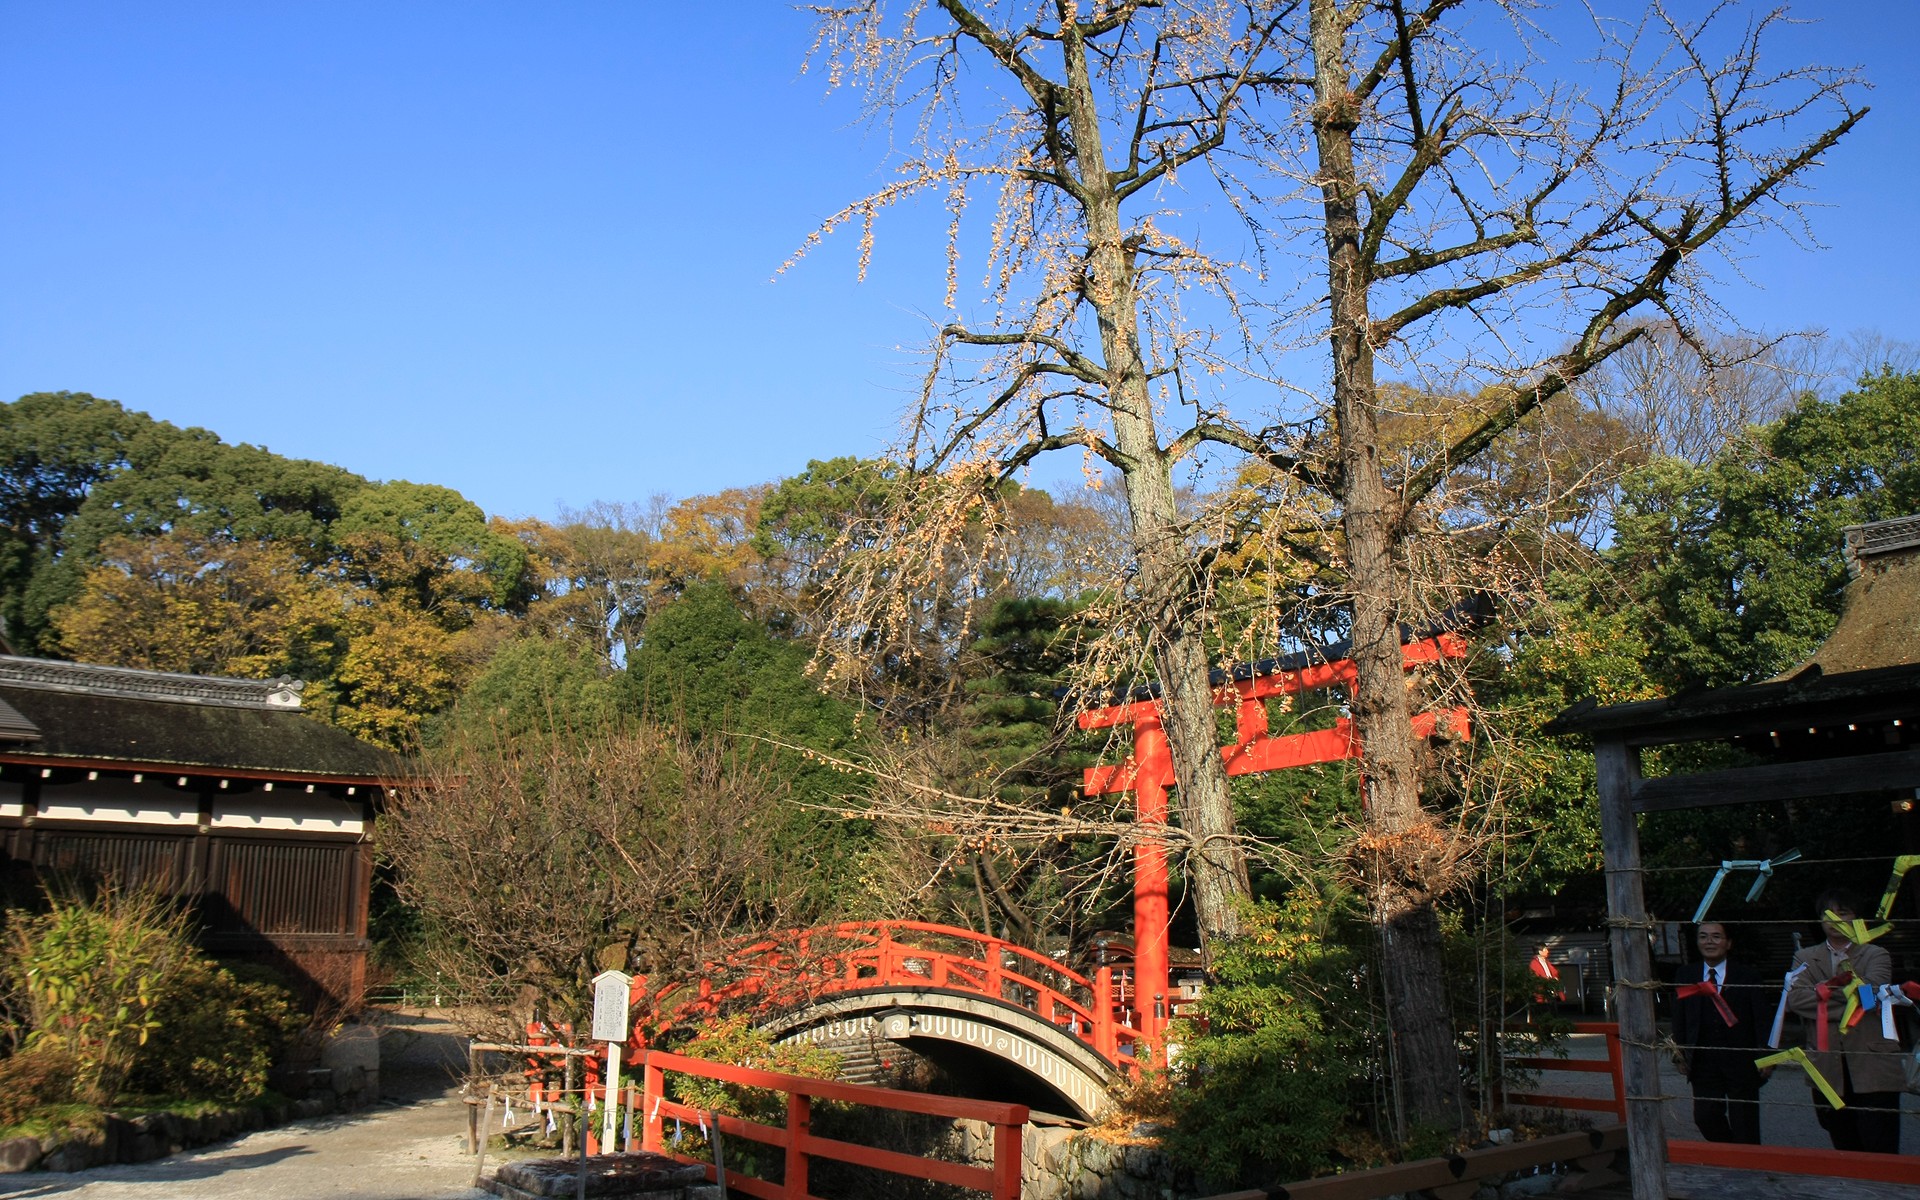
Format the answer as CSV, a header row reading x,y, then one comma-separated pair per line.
x,y
799,1127
653,1086
1008,1158
1619,771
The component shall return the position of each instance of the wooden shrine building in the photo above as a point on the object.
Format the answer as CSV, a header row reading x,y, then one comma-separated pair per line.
x,y
1843,728
220,791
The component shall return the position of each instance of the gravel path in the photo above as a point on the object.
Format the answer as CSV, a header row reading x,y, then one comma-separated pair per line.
x,y
400,1151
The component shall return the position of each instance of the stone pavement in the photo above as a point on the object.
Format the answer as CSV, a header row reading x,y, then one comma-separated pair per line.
x,y
411,1150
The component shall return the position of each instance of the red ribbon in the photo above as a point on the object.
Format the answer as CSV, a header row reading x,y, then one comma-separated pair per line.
x,y
1823,991
1704,988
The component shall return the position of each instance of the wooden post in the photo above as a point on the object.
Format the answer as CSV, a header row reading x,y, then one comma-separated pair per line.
x,y
1619,770
1007,1161
570,1124
653,1086
799,1127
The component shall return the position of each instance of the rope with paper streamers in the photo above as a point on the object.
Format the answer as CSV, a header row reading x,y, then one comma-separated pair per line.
x,y
534,1106
1860,1002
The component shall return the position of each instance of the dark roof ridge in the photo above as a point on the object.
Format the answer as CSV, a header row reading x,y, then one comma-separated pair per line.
x,y
280,694
1880,537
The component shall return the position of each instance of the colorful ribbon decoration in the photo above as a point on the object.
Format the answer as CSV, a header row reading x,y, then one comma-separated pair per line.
x,y
1901,866
1780,1013
1893,995
1857,1006
1798,1057
1727,866
1824,991
1703,988
1855,928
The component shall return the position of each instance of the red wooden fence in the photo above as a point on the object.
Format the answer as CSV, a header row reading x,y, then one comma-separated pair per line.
x,y
1787,1160
801,1146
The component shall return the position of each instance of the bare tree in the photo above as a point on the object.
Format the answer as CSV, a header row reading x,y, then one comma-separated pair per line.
x,y
1688,398
537,862
1493,217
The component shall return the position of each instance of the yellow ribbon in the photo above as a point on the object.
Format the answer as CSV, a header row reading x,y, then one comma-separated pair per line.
x,y
1901,866
1852,991
1856,929
1798,1057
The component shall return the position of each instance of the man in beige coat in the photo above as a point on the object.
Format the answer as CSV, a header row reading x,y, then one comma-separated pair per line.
x,y
1859,1063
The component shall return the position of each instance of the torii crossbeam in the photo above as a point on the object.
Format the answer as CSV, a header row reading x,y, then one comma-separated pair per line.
x,y
1148,773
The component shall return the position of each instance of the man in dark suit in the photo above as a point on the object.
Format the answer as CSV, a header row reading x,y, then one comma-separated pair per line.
x,y
1720,1029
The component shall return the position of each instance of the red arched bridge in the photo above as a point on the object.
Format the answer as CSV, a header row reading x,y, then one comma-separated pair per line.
x,y
982,1008
1004,1016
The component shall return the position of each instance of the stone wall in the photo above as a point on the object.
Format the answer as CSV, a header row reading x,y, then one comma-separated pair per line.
x,y
1062,1163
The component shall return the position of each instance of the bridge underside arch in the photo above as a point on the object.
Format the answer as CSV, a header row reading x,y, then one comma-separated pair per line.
x,y
993,1051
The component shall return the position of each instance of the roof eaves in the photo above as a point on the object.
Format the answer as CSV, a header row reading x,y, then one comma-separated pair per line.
x,y
44,674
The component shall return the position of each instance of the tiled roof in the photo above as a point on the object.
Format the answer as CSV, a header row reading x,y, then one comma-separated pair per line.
x,y
14,727
87,713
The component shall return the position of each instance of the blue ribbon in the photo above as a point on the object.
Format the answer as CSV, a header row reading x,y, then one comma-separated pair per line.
x,y
1727,866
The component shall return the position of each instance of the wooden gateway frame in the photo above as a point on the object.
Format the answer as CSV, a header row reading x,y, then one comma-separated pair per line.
x,y
1845,724
1148,774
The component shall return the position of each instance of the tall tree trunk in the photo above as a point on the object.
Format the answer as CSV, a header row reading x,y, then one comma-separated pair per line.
x,y
1217,867
1421,1024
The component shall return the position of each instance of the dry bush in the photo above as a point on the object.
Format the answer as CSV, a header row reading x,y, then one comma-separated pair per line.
x,y
538,862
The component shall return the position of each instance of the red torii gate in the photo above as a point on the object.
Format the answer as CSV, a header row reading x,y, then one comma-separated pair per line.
x,y
1148,773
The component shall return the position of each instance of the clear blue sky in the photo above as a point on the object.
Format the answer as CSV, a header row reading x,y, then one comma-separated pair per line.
x,y
527,250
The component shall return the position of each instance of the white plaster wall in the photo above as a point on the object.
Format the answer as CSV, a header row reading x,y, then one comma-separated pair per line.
x,y
119,800
306,814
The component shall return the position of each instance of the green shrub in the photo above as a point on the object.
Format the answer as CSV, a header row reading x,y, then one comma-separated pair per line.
x,y
90,973
32,1080
217,1032
735,1041
113,998
1277,1058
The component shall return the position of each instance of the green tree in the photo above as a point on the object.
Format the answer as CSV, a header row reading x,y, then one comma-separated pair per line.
x,y
188,481
707,665
1738,564
535,687
709,670
55,448
455,557
206,606
1274,1056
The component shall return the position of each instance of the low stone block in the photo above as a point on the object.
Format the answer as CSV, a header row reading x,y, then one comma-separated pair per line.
x,y
19,1154
629,1176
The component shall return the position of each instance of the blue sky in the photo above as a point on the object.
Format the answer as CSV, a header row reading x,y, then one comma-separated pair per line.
x,y
528,251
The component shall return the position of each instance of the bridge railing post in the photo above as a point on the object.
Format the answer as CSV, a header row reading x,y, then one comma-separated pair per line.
x,y
653,1086
799,1127
1007,1161
1103,1035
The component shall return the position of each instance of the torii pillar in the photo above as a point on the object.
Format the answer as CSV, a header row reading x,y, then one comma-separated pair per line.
x,y
1152,984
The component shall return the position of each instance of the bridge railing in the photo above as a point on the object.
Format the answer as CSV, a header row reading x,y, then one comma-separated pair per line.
x,y
800,1146
795,967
